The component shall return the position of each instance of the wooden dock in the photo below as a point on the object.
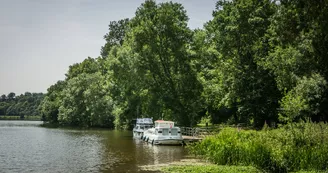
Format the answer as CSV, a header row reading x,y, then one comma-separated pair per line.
x,y
195,134
190,135
190,139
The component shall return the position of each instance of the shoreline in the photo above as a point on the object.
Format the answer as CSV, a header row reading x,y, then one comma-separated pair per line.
x,y
188,161
196,165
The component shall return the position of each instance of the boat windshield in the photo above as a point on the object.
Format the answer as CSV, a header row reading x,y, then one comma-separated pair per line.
x,y
174,131
165,132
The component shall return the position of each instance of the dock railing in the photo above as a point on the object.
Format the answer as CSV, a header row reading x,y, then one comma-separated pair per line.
x,y
201,132
189,131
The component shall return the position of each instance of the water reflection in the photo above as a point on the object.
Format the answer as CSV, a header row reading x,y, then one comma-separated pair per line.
x,y
155,154
15,123
29,148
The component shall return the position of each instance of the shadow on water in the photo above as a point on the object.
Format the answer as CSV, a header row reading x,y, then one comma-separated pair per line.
x,y
29,148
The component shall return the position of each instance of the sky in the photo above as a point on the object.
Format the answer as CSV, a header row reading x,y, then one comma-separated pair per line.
x,y
40,39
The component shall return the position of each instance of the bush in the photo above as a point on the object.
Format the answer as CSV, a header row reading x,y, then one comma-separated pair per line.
x,y
294,147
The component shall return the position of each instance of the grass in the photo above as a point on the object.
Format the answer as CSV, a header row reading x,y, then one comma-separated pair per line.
x,y
210,169
218,169
291,148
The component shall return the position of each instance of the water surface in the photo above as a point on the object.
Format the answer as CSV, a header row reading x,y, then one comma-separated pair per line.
x,y
26,147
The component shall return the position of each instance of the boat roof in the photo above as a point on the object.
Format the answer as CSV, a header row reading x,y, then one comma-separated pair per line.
x,y
163,121
165,124
144,121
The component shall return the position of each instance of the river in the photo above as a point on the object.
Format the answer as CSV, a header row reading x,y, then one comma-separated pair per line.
x,y
27,147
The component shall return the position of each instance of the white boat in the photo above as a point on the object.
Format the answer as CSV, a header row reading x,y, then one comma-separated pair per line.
x,y
164,133
141,125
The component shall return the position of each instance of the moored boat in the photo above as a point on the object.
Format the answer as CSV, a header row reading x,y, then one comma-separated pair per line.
x,y
164,133
142,124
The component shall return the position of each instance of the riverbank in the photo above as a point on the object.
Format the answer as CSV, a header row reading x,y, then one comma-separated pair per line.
x,y
16,117
192,165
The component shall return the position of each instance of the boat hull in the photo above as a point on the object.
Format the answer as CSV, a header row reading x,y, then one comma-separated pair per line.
x,y
138,134
177,140
167,142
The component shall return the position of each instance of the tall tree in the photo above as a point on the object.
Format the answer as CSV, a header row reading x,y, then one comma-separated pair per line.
x,y
115,36
159,36
238,29
298,58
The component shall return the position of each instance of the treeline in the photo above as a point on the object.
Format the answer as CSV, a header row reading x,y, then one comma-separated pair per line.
x,y
23,105
254,62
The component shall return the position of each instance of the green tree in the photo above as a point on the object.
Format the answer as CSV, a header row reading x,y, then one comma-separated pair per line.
x,y
297,54
159,37
3,98
85,103
238,31
51,102
11,96
115,36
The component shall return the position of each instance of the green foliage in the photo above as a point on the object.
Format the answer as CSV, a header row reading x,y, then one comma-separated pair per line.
x,y
51,103
236,80
13,117
293,147
159,37
85,103
303,101
254,62
115,36
82,99
210,168
23,105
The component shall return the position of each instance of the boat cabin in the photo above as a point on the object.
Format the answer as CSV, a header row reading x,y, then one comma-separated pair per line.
x,y
164,124
165,128
144,121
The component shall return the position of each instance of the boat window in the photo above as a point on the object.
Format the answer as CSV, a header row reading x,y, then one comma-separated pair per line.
x,y
174,132
165,131
141,127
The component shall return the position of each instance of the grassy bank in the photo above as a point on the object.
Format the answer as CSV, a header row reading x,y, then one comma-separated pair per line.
x,y
291,148
192,165
14,117
218,169
210,169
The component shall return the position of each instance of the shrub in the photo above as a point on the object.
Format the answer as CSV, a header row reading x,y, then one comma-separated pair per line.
x,y
294,147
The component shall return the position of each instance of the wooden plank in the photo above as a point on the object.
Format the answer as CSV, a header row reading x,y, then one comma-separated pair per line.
x,y
190,139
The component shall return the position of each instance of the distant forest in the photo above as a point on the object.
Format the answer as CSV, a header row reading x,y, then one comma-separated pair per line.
x,y
255,62
23,105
